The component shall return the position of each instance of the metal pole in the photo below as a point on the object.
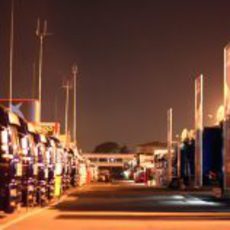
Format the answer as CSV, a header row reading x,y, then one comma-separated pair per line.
x,y
11,56
74,71
40,75
202,129
169,143
66,107
56,108
178,158
41,35
225,152
199,95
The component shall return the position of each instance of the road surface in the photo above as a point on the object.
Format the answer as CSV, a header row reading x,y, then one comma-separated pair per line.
x,y
126,206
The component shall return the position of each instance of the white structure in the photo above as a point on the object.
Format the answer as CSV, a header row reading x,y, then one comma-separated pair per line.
x,y
109,159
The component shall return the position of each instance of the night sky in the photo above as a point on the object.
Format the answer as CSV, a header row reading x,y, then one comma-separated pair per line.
x,y
136,59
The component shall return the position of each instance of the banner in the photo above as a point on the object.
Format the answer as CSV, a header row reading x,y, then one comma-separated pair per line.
x,y
226,154
199,131
49,128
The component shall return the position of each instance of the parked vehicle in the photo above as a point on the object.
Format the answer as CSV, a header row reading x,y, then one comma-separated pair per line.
x,y
10,161
104,176
73,165
28,183
42,167
82,172
51,161
65,170
139,176
34,166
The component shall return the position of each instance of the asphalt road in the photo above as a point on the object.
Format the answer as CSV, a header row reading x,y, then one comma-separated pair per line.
x,y
128,206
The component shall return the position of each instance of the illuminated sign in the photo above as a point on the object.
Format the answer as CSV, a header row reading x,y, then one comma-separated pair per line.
x,y
47,128
51,128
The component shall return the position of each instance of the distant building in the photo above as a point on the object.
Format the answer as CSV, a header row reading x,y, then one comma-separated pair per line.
x,y
150,147
147,151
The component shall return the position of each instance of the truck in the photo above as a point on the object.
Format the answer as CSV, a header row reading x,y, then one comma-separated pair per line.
x,y
28,183
10,161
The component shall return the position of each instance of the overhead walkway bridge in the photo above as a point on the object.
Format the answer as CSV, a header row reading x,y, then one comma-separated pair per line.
x,y
110,160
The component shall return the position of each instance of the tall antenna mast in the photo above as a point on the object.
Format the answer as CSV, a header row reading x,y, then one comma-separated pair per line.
x,y
41,34
11,55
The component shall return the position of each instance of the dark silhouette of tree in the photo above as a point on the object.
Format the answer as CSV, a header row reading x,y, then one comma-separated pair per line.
x,y
124,149
107,147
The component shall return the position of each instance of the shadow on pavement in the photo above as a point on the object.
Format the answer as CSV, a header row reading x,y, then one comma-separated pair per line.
x,y
122,198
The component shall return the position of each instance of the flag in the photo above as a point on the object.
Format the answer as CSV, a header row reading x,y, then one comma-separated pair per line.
x,y
24,108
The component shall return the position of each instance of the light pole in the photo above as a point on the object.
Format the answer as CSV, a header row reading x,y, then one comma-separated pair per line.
x,y
169,142
199,128
11,56
67,88
178,156
75,72
41,34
